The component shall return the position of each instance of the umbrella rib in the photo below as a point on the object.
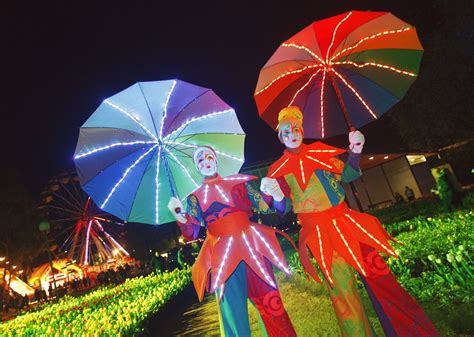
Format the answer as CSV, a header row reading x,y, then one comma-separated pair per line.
x,y
106,147
183,108
125,175
147,106
165,110
157,183
304,86
378,65
286,74
131,117
355,93
183,167
181,128
321,104
387,32
309,51
217,151
334,36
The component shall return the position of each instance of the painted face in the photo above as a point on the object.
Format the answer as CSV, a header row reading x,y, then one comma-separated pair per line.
x,y
291,134
206,162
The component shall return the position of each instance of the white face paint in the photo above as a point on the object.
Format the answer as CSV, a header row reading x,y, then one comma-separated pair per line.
x,y
291,134
206,163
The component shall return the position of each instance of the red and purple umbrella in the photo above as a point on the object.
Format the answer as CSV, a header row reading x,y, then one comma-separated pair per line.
x,y
343,72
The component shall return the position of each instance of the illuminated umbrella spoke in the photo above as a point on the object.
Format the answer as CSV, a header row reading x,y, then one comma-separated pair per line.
x,y
372,56
134,178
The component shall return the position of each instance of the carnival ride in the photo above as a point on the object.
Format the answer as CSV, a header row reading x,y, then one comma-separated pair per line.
x,y
78,224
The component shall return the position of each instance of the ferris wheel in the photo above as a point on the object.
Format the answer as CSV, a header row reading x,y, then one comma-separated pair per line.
x,y
84,231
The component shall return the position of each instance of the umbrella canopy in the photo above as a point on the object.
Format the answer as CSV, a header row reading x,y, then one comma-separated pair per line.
x,y
136,150
343,72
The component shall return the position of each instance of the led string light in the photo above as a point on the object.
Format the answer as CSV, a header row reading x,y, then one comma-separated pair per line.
x,y
369,235
334,36
206,190
278,169
125,175
387,32
304,86
306,49
157,184
319,162
165,110
112,146
282,266
321,151
195,119
224,259
196,146
349,248
321,104
302,172
322,255
184,168
378,65
287,74
131,117
355,93
221,193
236,178
86,258
269,280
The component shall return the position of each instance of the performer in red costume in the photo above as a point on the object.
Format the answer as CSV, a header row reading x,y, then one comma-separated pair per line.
x,y
237,256
307,177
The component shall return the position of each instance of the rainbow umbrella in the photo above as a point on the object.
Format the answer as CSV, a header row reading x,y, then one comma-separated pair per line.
x,y
135,151
343,72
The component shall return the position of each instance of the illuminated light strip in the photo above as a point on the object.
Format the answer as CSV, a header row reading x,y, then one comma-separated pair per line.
x,y
306,49
184,168
302,171
111,238
304,86
278,169
222,193
369,235
165,111
355,93
286,74
321,104
322,151
370,38
282,266
349,248
319,162
157,183
194,119
125,175
334,36
86,255
322,255
378,65
111,146
206,189
196,146
236,178
131,117
270,281
226,253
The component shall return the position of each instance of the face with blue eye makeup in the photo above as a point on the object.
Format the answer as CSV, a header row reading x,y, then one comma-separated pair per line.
x,y
290,134
205,161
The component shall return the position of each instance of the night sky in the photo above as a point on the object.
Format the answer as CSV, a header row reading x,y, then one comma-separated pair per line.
x,y
61,61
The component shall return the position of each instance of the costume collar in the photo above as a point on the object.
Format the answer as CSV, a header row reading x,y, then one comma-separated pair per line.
x,y
218,189
316,156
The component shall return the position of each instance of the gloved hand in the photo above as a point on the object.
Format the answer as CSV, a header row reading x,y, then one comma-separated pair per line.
x,y
176,208
356,141
271,187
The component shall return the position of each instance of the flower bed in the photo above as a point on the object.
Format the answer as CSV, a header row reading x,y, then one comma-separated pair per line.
x,y
111,311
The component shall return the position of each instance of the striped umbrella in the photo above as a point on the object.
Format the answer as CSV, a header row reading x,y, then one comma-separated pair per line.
x,y
136,150
343,72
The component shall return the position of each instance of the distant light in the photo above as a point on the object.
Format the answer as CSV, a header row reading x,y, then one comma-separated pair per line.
x,y
386,157
2,258
370,158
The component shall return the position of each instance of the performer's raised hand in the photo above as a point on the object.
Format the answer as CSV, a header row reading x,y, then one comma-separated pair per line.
x,y
271,187
356,141
176,208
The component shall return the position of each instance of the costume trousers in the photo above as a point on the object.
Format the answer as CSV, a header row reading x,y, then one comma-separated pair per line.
x,y
245,284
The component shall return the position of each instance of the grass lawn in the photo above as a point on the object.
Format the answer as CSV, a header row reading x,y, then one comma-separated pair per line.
x,y
310,310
